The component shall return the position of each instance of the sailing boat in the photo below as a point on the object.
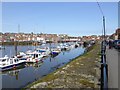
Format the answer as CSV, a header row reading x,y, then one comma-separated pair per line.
x,y
19,55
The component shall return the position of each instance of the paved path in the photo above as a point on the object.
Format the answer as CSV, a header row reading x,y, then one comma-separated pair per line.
x,y
112,61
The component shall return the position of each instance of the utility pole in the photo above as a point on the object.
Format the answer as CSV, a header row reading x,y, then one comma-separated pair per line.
x,y
104,28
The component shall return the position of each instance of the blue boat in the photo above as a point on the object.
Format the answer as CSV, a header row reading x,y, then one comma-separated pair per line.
x,y
55,51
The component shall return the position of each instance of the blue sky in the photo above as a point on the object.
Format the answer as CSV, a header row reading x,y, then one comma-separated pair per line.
x,y
76,19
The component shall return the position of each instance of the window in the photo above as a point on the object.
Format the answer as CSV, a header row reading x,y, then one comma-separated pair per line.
x,y
36,55
11,61
15,60
118,42
3,60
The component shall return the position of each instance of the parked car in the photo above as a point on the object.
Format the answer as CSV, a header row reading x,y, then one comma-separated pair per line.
x,y
116,44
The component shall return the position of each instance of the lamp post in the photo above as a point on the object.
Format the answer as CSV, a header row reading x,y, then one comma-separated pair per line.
x,y
104,28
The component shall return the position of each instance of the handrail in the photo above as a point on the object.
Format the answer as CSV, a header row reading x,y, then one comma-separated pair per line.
x,y
104,68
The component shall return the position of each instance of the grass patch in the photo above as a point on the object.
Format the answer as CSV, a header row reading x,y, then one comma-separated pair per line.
x,y
87,83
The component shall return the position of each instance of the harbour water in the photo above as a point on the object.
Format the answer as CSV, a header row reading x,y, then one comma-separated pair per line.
x,y
29,73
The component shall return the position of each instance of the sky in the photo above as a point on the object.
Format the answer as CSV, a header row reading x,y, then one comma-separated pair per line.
x,y
72,18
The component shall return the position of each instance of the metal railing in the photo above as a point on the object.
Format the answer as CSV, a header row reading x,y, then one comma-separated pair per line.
x,y
104,67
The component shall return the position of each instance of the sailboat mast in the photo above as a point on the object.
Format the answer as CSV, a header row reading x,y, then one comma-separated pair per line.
x,y
16,42
18,33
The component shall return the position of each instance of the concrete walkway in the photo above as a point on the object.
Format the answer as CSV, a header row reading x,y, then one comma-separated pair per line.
x,y
112,61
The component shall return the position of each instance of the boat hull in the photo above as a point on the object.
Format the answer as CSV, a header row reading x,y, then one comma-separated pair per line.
x,y
4,68
55,53
42,51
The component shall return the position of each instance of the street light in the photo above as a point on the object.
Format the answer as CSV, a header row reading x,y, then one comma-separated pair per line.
x,y
104,27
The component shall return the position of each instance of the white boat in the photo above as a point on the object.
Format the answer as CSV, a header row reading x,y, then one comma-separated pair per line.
x,y
21,55
7,63
72,46
55,51
66,47
60,46
44,51
34,56
1,47
76,45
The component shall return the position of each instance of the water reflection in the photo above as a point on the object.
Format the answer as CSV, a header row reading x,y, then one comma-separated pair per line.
x,y
35,65
14,73
32,71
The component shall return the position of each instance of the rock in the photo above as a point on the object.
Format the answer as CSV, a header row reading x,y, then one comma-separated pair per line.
x,y
95,61
65,68
68,65
43,84
49,82
97,58
62,72
91,81
77,63
56,72
81,64
40,85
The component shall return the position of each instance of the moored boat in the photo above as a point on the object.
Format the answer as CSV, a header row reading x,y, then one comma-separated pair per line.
x,y
34,56
21,56
66,47
44,51
7,63
55,51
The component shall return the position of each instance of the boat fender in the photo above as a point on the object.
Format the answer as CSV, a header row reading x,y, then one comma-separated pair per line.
x,y
14,67
36,60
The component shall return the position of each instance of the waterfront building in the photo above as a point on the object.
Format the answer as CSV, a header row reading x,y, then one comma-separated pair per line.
x,y
116,35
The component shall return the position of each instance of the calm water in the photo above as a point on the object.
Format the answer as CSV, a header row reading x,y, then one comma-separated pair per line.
x,y
31,72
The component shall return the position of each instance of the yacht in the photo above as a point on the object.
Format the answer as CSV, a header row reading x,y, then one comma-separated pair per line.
x,y
44,51
55,51
34,56
7,63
